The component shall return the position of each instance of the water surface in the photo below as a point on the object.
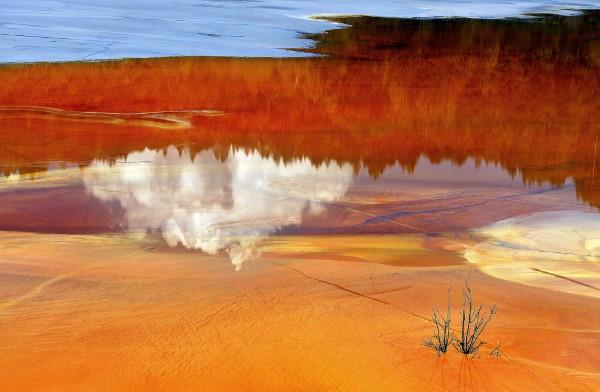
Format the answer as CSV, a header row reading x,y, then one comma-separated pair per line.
x,y
43,30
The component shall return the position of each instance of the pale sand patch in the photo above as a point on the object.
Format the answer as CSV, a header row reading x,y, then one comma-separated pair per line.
x,y
556,250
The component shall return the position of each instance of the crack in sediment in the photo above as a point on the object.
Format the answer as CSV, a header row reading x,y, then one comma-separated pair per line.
x,y
348,290
565,278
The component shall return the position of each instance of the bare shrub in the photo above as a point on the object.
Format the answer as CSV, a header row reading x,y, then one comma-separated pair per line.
x,y
473,323
442,337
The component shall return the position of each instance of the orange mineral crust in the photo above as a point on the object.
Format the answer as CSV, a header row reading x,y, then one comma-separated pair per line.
x,y
100,313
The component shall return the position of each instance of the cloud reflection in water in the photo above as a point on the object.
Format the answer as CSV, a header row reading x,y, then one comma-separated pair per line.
x,y
212,205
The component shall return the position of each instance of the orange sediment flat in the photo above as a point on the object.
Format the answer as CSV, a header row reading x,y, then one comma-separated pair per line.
x,y
97,313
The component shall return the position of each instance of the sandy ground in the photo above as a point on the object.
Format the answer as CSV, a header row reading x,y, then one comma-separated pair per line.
x,y
106,313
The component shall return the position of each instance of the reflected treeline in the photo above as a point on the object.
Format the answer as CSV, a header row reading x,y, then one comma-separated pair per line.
x,y
522,94
557,38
